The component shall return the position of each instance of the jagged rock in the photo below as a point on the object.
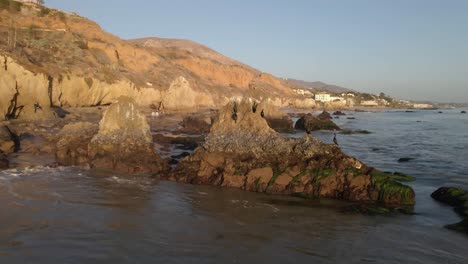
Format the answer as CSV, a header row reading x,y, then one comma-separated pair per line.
x,y
124,142
9,140
324,115
313,123
283,124
244,152
72,147
457,198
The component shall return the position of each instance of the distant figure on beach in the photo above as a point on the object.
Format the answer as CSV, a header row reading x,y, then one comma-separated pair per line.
x,y
155,114
334,139
37,106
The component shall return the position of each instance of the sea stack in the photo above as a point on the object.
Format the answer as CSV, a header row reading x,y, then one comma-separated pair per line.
x,y
249,155
124,142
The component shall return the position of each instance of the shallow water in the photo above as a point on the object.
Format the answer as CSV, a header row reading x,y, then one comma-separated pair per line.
x,y
71,215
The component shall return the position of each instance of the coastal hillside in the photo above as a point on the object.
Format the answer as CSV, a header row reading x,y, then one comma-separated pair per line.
x,y
55,58
316,86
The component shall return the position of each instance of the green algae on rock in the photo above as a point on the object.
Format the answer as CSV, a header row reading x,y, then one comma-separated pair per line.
x,y
457,198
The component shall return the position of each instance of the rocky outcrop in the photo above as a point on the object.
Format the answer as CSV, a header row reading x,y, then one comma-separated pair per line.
x,y
310,122
282,124
242,151
121,143
457,198
338,113
72,146
124,142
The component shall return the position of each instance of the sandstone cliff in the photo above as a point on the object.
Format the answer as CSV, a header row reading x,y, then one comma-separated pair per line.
x,y
58,59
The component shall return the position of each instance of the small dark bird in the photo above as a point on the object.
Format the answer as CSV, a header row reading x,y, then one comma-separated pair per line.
x,y
262,113
307,131
234,113
335,140
254,107
37,106
234,116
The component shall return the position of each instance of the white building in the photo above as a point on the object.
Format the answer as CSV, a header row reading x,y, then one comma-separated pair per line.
x,y
422,106
326,97
322,97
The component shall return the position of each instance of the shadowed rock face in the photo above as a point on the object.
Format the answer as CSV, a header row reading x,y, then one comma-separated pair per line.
x,y
9,141
310,122
457,198
242,151
4,164
72,147
122,143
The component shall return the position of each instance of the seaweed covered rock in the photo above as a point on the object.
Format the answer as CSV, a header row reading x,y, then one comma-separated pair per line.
x,y
242,151
72,146
124,142
310,122
457,198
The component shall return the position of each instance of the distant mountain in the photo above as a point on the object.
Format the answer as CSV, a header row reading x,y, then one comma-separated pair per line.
x,y
316,86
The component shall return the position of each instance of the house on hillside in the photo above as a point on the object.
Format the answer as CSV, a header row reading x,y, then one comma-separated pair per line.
x,y
326,97
322,97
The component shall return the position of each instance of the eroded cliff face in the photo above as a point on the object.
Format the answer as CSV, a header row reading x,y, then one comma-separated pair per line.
x,y
20,90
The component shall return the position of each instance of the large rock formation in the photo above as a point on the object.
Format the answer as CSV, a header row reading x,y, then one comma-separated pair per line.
x,y
310,122
72,147
457,198
121,143
124,142
242,151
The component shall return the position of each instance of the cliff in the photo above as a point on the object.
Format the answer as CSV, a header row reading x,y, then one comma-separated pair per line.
x,y
58,59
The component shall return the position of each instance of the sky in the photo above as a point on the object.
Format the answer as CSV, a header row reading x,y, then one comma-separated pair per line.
x,y
409,49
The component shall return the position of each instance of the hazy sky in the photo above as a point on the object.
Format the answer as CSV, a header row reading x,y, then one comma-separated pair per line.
x,y
414,49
